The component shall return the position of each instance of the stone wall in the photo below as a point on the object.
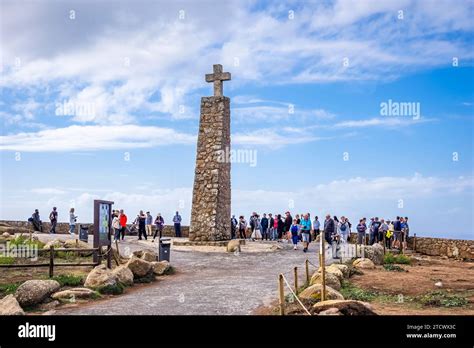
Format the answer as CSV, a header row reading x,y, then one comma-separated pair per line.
x,y
453,248
63,227
210,214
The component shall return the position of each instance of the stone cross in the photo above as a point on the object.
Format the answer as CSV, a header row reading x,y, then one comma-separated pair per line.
x,y
217,77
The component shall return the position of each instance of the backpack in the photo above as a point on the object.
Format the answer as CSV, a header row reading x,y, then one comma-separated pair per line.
x,y
294,229
343,227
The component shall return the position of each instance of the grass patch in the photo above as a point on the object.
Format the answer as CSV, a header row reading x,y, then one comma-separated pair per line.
x,y
7,289
7,260
389,258
68,280
352,292
441,299
394,268
116,289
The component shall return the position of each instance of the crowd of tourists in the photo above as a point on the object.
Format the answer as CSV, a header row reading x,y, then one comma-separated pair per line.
x,y
143,224
301,228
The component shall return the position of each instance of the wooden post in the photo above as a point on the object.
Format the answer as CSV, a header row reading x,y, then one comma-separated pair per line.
x,y
109,256
99,255
281,292
307,271
51,261
323,270
414,242
295,274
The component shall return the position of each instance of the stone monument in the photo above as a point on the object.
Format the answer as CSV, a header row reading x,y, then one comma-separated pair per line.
x,y
211,213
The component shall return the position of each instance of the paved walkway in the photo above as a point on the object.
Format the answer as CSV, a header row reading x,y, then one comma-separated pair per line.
x,y
207,283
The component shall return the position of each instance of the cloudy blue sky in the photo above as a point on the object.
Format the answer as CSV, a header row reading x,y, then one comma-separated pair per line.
x,y
100,99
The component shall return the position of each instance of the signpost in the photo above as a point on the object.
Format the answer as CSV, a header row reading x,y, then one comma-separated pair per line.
x,y
102,228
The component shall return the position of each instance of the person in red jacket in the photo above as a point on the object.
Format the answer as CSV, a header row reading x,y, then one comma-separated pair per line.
x,y
123,223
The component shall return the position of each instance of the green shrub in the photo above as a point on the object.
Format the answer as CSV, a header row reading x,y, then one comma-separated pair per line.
x,y
7,260
116,289
68,280
389,258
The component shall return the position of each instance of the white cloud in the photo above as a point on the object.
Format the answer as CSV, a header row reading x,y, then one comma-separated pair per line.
x,y
388,122
87,138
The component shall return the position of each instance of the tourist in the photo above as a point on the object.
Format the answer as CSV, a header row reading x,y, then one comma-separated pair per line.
x,y
53,217
294,230
407,228
316,227
305,231
264,224
72,221
36,221
335,241
256,234
287,224
374,230
280,227
177,224
329,228
233,227
382,231
271,229
404,227
389,235
149,224
141,225
159,223
344,230
116,225
123,223
252,222
298,220
361,229
397,231
242,228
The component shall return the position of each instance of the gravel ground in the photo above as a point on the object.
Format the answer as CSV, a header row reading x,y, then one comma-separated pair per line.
x,y
205,282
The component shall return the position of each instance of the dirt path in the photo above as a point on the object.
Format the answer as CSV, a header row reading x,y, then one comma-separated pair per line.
x,y
206,283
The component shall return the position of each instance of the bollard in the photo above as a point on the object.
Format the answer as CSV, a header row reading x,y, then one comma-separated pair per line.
x,y
282,294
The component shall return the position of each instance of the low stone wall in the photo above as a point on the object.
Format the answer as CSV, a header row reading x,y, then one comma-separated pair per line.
x,y
63,227
452,248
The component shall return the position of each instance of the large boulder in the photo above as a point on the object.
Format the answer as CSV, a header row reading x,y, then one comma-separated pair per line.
x,y
100,277
331,280
363,263
124,275
313,293
374,253
346,307
78,244
233,245
160,268
72,294
10,306
149,256
334,270
56,243
6,235
33,292
346,273
139,267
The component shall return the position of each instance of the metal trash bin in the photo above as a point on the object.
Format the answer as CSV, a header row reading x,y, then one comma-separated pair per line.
x,y
165,247
84,233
